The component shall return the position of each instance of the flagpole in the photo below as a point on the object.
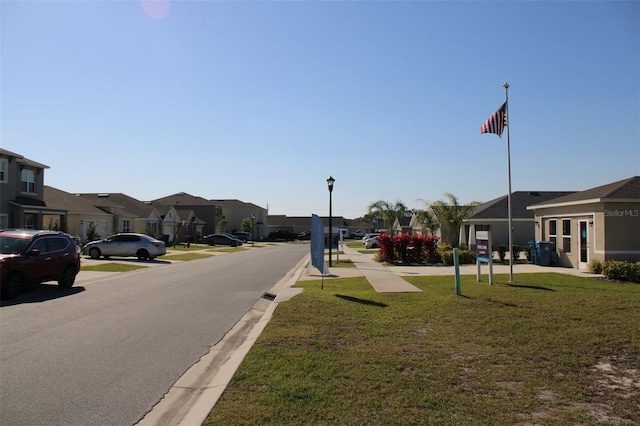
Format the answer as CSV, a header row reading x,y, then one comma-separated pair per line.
x,y
506,93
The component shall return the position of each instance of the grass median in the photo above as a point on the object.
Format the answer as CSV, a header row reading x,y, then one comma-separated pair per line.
x,y
551,349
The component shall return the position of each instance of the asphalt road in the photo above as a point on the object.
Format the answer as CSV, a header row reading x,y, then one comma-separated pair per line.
x,y
106,351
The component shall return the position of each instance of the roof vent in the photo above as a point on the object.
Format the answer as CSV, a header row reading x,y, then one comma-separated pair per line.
x,y
103,195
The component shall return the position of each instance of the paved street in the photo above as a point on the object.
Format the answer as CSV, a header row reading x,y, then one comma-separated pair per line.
x,y
108,349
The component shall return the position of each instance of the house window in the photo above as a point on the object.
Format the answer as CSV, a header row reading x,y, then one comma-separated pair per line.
x,y
483,227
126,225
4,166
553,232
28,181
566,235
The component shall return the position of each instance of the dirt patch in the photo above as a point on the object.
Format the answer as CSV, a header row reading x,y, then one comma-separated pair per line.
x,y
615,390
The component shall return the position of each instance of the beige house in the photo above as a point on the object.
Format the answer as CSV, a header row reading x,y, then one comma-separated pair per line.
x,y
600,223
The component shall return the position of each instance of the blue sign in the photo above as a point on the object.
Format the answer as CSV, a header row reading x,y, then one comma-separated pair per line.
x,y
317,244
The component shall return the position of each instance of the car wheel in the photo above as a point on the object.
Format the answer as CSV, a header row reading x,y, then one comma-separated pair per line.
x,y
234,244
142,254
11,286
94,253
68,277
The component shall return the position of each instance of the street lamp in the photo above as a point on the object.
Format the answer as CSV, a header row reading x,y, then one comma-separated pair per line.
x,y
330,182
253,234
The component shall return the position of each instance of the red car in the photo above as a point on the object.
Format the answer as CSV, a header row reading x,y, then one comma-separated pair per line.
x,y
28,256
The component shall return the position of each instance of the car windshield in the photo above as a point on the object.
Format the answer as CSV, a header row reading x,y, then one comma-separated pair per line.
x,y
12,245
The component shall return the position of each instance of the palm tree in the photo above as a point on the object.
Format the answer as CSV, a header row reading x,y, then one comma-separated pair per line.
x,y
389,212
451,214
427,220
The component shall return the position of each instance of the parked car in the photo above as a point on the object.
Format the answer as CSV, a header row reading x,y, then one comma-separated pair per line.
x,y
126,244
222,240
29,256
372,243
367,236
357,234
243,236
304,235
282,235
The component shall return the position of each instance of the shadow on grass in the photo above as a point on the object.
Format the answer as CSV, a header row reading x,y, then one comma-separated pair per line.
x,y
532,287
362,301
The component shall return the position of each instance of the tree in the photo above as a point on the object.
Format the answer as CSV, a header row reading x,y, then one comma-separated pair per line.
x,y
451,214
246,224
389,212
428,221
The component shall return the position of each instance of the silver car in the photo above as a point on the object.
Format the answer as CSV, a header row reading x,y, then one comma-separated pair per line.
x,y
126,244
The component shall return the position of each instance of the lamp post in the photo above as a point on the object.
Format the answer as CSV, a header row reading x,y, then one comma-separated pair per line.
x,y
330,182
253,234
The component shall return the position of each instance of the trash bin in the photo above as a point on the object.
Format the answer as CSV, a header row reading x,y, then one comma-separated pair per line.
x,y
532,252
543,251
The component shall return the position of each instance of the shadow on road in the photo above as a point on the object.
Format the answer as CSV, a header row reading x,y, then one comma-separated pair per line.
x,y
41,293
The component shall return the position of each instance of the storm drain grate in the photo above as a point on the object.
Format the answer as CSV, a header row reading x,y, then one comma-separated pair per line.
x,y
269,296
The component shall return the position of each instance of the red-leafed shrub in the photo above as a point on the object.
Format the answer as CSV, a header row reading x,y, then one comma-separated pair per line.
x,y
430,244
401,244
408,249
386,252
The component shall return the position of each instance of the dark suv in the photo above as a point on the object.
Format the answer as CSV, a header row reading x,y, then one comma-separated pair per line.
x,y
28,256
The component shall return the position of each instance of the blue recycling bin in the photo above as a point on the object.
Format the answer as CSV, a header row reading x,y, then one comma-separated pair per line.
x,y
543,252
532,251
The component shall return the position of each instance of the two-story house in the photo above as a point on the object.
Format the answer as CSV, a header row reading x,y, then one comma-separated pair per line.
x,y
22,202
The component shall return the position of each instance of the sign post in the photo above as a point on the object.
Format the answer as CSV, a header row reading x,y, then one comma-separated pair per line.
x,y
484,253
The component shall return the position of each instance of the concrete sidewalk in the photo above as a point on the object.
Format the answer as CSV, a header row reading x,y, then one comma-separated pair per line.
x,y
386,278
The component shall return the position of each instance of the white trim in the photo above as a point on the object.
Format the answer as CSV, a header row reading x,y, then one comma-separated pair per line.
x,y
617,251
6,170
582,202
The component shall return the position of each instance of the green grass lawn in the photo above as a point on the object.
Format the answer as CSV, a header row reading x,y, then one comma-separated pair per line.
x,y
227,249
111,267
552,349
189,255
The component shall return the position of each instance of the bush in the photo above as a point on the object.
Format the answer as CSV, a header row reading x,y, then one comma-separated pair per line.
x,y
621,271
595,266
527,252
502,252
386,248
515,253
465,257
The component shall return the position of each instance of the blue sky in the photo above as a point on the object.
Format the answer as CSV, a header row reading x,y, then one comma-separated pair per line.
x,y
262,100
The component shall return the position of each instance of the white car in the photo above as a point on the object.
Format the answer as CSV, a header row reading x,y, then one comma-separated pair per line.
x,y
367,236
126,244
372,243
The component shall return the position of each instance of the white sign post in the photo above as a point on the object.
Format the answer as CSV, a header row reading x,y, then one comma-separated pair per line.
x,y
484,253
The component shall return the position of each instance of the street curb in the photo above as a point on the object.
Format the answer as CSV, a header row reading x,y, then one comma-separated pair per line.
x,y
191,399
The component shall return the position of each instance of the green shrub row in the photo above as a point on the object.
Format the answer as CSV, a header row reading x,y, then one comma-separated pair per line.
x,y
616,270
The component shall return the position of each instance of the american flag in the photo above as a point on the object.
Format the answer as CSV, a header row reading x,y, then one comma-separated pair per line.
x,y
497,121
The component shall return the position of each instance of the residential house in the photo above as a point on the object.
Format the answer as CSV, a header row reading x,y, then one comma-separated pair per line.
x,y
494,216
22,202
218,215
298,224
81,214
402,225
207,211
235,211
601,223
442,231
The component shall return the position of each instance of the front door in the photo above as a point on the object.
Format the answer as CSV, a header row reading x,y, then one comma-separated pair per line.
x,y
584,245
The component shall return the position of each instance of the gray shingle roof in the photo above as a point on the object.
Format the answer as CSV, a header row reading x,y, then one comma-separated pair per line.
x,y
498,208
626,189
